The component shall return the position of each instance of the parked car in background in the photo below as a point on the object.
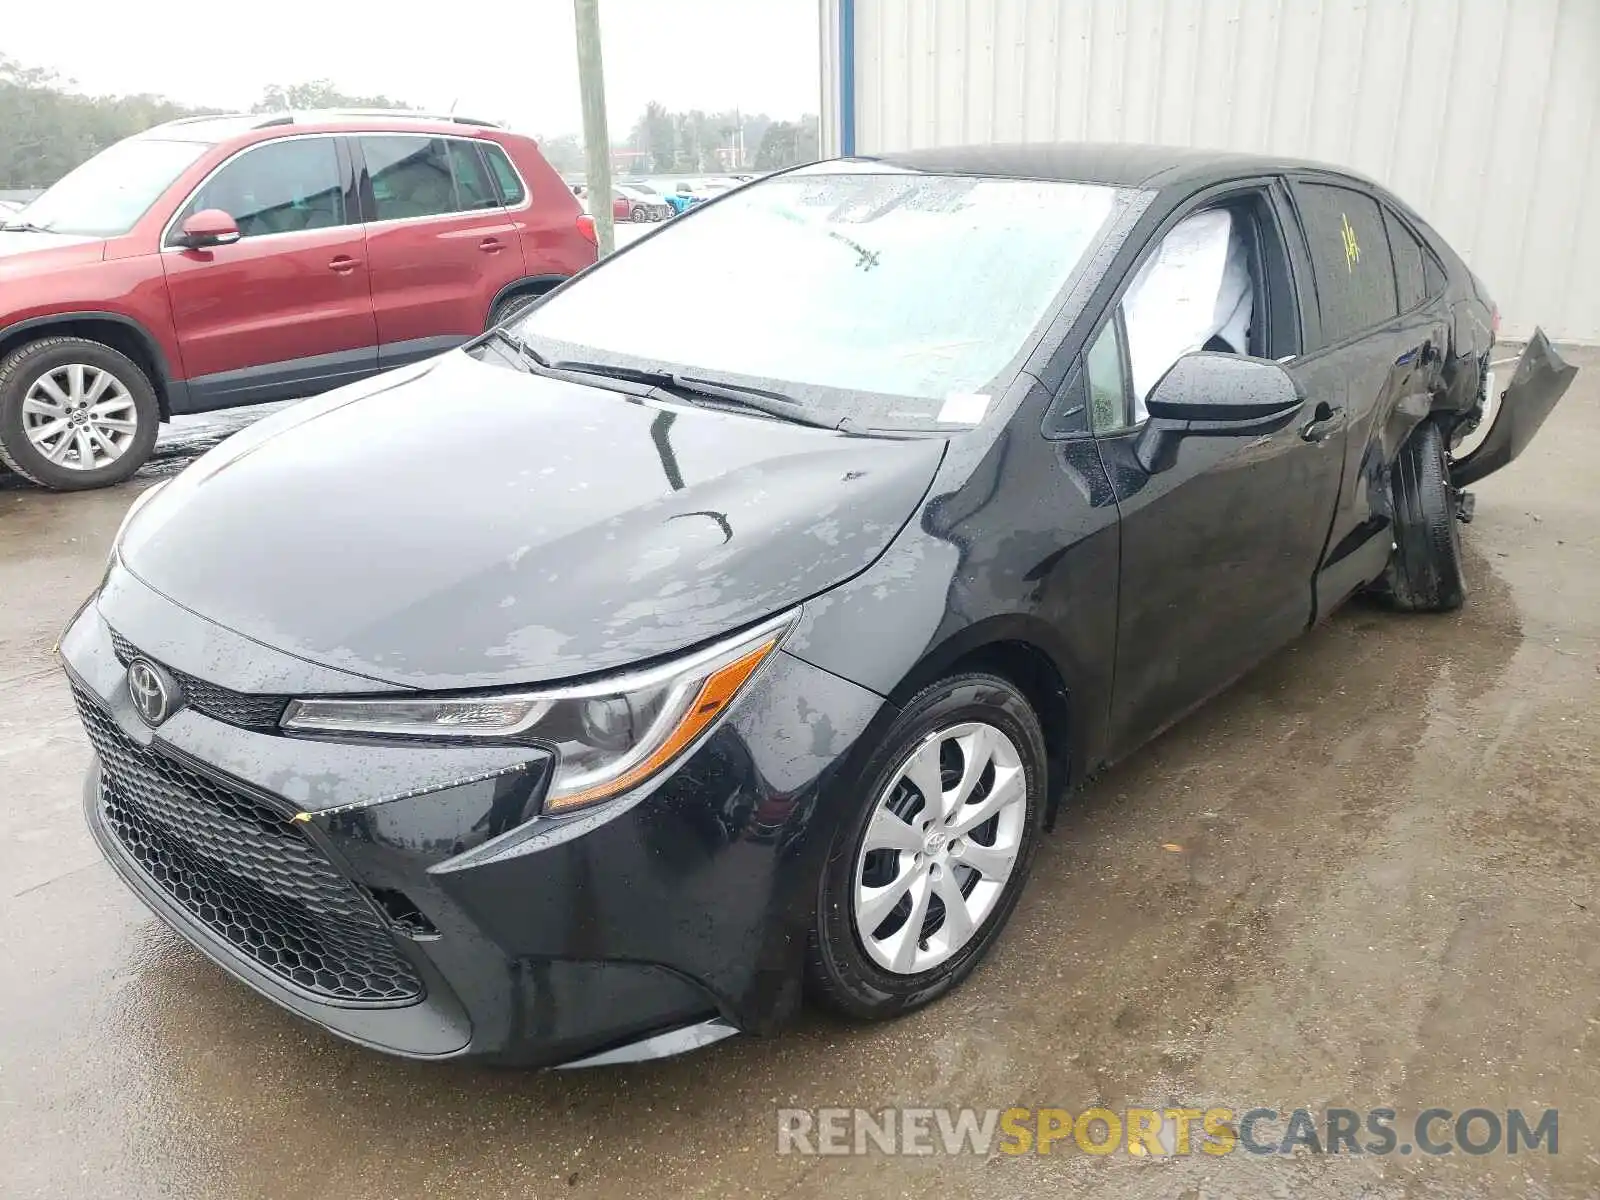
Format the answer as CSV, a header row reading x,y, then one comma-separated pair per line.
x,y
762,659
638,202
219,261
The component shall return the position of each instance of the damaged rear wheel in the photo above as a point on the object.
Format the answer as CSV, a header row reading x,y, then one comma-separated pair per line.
x,y
1424,573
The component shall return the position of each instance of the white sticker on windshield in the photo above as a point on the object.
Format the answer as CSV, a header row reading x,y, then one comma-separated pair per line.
x,y
964,408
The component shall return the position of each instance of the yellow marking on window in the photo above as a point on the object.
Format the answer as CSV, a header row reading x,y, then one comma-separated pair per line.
x,y
1352,251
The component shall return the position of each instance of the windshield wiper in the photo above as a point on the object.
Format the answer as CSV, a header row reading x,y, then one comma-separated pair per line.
x,y
23,227
771,404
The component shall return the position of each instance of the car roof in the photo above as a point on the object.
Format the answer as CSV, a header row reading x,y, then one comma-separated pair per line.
x,y
1119,164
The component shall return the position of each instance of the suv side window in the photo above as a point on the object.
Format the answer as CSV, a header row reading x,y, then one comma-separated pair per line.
x,y
474,188
512,192
1409,276
278,187
410,176
1354,273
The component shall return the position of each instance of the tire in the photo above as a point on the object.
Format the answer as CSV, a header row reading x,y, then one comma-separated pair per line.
x,y
638,215
1424,572
131,398
842,973
510,307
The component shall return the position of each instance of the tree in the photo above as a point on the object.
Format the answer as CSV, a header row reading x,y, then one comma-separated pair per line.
x,y
317,93
789,143
46,129
564,153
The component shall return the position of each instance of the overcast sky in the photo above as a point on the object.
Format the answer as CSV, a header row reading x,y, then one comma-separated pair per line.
x,y
507,61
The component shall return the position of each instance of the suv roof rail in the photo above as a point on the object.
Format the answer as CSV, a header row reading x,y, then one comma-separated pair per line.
x,y
400,114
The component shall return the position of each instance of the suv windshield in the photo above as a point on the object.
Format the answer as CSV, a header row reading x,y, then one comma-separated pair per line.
x,y
879,295
108,194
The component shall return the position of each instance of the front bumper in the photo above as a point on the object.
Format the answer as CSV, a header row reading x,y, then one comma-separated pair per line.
x,y
476,929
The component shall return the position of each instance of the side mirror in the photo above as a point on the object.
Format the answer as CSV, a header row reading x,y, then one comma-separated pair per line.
x,y
207,228
1215,395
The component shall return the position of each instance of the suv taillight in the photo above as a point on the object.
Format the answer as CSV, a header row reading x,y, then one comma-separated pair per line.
x,y
586,227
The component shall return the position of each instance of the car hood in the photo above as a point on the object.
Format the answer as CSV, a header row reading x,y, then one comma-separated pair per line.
x,y
462,524
24,253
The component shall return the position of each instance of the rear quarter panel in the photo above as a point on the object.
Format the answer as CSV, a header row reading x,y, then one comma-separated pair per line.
x,y
548,223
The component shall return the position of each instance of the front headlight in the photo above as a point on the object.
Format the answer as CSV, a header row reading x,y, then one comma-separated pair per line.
x,y
608,736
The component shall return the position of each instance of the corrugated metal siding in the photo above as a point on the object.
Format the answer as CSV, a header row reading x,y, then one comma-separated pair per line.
x,y
1483,114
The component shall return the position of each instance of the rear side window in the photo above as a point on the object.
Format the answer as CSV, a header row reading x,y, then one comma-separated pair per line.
x,y
512,192
1409,280
1355,276
410,176
474,188
279,187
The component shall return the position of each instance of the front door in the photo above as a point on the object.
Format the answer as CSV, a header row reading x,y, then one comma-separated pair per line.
x,y
288,306
1220,548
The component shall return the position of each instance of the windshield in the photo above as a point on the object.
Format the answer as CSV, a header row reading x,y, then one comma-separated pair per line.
x,y
898,299
108,194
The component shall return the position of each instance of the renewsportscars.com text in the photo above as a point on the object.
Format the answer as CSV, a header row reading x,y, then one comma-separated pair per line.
x,y
1165,1131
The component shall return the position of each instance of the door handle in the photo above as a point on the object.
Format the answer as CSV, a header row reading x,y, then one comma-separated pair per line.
x,y
490,244
343,264
1324,423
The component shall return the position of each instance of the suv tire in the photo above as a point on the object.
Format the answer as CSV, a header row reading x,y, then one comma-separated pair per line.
x,y
110,411
842,972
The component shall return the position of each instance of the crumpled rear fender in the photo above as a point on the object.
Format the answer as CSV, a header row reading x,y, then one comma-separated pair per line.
x,y
1540,380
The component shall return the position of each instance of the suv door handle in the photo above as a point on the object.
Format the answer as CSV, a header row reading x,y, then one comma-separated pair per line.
x,y
1324,423
490,244
343,264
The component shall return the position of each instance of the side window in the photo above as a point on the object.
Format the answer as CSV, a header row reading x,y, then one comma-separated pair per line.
x,y
474,188
1194,292
511,190
1108,382
279,187
1408,270
1433,274
411,176
1355,277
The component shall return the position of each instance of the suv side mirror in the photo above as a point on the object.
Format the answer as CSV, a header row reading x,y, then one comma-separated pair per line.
x,y
209,227
1215,395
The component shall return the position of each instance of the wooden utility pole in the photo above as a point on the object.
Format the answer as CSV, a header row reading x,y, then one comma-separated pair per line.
x,y
596,137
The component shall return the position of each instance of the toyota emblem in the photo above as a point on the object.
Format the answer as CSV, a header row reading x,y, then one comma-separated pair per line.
x,y
155,696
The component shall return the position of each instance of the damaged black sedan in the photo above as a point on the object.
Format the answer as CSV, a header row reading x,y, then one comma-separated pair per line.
x,y
602,688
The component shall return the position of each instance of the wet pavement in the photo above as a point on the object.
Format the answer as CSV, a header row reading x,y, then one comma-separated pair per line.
x,y
1366,876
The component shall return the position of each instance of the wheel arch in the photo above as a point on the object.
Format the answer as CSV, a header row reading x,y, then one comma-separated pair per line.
x,y
528,285
121,333
1018,649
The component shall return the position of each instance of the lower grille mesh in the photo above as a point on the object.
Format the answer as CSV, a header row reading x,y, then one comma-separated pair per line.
x,y
245,872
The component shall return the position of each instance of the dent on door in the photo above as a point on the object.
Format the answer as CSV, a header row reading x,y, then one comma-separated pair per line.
x,y
1540,380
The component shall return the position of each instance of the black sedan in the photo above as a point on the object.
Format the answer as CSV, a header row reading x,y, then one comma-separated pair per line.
x,y
601,688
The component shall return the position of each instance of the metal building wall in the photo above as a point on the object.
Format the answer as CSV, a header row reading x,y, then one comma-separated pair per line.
x,y
1483,114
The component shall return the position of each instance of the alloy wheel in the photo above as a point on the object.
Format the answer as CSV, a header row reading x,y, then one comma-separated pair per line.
x,y
79,417
942,841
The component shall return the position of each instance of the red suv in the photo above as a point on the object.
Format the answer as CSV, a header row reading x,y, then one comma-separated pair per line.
x,y
219,261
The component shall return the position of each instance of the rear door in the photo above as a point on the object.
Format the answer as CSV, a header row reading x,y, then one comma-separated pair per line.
x,y
440,242
288,307
1377,334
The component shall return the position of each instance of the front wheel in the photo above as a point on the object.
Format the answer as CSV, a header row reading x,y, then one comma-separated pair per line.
x,y
920,881
75,414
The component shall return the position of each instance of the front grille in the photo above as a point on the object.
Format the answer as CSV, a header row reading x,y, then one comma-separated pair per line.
x,y
245,872
244,709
